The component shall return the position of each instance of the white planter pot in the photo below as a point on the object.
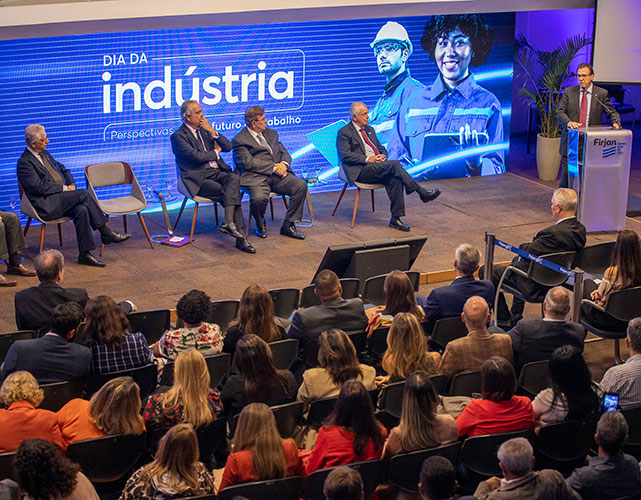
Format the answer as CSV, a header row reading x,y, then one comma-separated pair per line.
x,y
548,158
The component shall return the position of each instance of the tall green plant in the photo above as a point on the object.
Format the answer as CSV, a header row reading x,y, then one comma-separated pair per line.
x,y
542,75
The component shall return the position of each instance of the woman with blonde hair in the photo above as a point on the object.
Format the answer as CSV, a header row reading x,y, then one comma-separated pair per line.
x,y
189,400
338,364
406,350
175,471
114,409
258,452
22,419
399,297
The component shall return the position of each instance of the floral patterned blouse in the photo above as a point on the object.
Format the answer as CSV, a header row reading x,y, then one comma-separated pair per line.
x,y
206,338
138,488
156,416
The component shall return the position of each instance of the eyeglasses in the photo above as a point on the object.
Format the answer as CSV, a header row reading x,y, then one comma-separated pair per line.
x,y
388,48
584,76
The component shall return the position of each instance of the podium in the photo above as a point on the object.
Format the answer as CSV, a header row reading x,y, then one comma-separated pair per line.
x,y
599,171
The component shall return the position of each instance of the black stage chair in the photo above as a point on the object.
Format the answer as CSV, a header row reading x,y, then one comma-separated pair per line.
x,y
288,417
564,446
633,418
289,488
6,339
372,473
595,259
152,323
222,312
217,365
60,393
533,378
7,471
285,301
284,353
466,383
440,383
145,376
373,287
445,330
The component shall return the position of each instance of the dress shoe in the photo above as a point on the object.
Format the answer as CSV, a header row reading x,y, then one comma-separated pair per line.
x,y
261,231
6,281
244,245
231,230
87,259
113,237
291,232
428,194
397,223
20,271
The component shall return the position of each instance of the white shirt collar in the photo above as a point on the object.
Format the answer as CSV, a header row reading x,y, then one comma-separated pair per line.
x,y
37,155
565,218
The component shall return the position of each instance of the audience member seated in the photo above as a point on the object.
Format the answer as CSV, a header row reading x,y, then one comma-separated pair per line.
x,y
611,474
448,301
22,420
175,471
438,479
259,452
333,312
471,351
53,357
351,433
256,379
338,364
399,297
499,410
516,460
113,347
624,272
113,410
420,427
255,317
572,394
406,350
625,380
534,339
343,483
45,474
193,308
190,400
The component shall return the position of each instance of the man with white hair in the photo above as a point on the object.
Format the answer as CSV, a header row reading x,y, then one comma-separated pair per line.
x,y
516,460
535,339
52,191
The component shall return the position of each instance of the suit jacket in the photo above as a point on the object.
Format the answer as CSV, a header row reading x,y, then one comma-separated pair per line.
x,y
352,151
40,186
569,110
545,484
191,158
256,162
470,352
535,339
49,359
34,305
307,324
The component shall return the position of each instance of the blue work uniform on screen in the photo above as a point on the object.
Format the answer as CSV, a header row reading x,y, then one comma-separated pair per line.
x,y
441,109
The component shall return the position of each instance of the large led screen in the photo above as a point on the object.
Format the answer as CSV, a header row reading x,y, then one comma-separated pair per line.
x,y
116,96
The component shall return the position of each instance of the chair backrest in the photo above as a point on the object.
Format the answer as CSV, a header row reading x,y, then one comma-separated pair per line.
x,y
373,287
145,376
60,393
350,291
151,323
445,330
288,418
392,398
440,383
108,174
284,352
625,304
289,488
478,453
633,417
26,207
201,497
310,354
285,301
319,410
217,365
308,298
564,446
222,312
405,469
377,341
547,277
6,339
359,339
466,383
595,259
371,473
7,470
211,437
534,377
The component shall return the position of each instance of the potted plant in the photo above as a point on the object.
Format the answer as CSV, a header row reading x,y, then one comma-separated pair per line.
x,y
542,75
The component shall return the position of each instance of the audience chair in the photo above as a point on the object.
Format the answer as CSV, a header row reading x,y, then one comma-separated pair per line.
x,y
289,488
359,339
145,376
595,259
222,312
359,186
440,383
271,208
377,341
373,287
210,438
151,323
466,383
445,330
633,444
350,291
180,185
117,173
29,210
564,446
622,305
372,473
533,378
636,496
319,410
405,469
285,301
201,497
539,274
60,393
217,365
391,400
284,353
310,355
288,417
6,339
7,471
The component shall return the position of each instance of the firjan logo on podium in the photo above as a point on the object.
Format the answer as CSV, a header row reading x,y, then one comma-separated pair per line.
x,y
610,147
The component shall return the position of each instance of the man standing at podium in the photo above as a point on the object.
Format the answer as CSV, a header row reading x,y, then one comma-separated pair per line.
x,y
582,106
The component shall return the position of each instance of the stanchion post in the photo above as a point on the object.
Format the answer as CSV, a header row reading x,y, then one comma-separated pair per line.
x,y
578,296
489,256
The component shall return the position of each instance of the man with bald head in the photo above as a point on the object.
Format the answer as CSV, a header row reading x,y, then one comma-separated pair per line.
x,y
469,352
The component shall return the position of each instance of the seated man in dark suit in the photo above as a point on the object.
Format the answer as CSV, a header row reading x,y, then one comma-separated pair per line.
x,y
265,166
448,301
365,160
535,339
52,191
53,357
197,148
566,235
11,245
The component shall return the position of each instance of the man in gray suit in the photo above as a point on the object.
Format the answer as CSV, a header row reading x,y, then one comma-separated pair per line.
x,y
582,105
265,166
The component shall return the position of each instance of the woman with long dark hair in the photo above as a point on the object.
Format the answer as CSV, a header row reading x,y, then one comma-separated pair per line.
x,y
399,297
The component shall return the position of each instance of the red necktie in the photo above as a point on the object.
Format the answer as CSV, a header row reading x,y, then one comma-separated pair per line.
x,y
368,142
583,116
